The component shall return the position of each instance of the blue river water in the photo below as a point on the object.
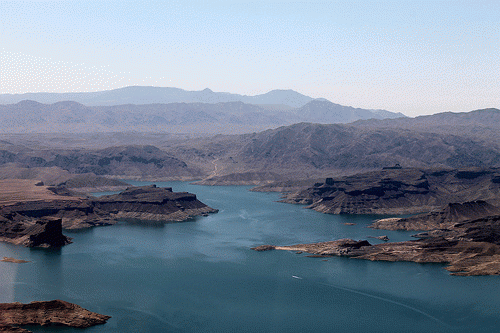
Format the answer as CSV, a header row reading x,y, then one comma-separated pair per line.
x,y
201,276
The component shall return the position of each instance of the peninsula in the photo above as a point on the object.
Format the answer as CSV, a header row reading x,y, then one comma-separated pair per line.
x,y
34,215
459,214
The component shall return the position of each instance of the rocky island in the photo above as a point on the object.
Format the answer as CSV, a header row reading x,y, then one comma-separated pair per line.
x,y
49,313
34,215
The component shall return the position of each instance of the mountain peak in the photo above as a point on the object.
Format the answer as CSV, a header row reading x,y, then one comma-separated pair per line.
x,y
27,103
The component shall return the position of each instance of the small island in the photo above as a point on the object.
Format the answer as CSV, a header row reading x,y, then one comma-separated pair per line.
x,y
14,260
47,313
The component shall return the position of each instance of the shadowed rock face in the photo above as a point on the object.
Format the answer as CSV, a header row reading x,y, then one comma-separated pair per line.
x,y
152,203
45,232
403,191
40,222
50,313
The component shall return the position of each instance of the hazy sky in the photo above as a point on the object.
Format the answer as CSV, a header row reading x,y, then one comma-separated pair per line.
x,y
415,57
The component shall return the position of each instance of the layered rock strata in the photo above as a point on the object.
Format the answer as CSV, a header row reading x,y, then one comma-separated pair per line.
x,y
45,232
399,191
36,218
152,203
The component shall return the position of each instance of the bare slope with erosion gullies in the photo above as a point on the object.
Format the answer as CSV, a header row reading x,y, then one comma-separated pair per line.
x,y
126,162
56,176
306,150
299,151
480,125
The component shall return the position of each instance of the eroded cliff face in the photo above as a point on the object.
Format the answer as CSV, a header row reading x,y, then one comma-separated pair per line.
x,y
49,313
43,232
399,191
152,203
38,221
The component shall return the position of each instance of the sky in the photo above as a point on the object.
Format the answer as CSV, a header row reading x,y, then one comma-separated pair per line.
x,y
414,57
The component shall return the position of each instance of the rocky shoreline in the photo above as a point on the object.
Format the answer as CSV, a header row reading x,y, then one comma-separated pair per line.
x,y
459,210
469,248
47,313
39,221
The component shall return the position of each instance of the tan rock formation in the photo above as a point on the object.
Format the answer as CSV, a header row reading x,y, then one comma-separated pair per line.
x,y
49,313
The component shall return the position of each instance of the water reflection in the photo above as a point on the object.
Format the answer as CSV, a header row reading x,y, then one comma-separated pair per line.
x,y
202,276
9,270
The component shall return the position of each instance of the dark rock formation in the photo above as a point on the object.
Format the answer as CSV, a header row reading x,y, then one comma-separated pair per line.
x,y
49,313
75,213
43,232
12,329
152,203
39,222
399,191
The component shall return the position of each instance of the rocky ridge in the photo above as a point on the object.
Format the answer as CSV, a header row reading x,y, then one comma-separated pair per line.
x,y
152,203
399,191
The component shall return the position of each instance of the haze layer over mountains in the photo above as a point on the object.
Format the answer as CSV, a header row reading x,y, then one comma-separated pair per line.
x,y
154,109
305,138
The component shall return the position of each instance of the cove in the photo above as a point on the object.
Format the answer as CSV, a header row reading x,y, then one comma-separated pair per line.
x,y
201,276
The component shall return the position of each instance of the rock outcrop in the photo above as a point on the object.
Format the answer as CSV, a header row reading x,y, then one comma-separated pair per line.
x,y
469,248
400,191
152,203
44,232
36,218
49,313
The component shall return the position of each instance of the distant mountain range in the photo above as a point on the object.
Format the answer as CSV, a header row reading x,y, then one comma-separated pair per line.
x,y
162,95
181,117
298,151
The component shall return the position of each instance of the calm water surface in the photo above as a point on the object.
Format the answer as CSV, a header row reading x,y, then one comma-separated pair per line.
x,y
201,276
